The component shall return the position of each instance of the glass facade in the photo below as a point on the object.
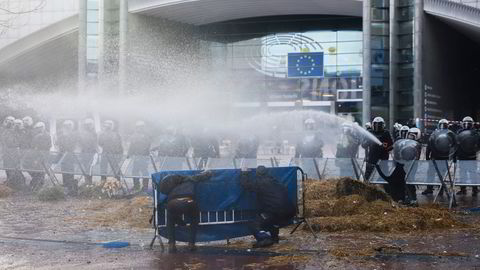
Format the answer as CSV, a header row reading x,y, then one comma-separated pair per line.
x,y
380,57
20,18
405,56
92,31
256,66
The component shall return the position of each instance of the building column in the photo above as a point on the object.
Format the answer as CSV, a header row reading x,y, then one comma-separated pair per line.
x,y
82,45
393,67
122,65
367,64
418,84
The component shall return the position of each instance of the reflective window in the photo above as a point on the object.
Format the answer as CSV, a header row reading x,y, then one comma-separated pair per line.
x,y
380,29
405,41
380,56
92,28
379,42
256,67
405,13
405,27
380,14
380,3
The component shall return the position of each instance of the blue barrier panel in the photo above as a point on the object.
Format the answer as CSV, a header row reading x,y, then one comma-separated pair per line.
x,y
224,205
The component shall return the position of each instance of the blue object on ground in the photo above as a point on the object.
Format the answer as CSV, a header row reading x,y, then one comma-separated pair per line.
x,y
115,244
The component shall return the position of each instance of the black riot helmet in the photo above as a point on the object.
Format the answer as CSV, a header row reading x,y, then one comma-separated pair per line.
x,y
443,124
378,124
467,122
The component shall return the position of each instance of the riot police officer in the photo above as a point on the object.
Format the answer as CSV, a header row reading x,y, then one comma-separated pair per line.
x,y
311,145
111,143
247,147
139,151
11,141
88,147
348,145
377,152
440,146
173,144
468,141
205,146
41,144
396,131
67,142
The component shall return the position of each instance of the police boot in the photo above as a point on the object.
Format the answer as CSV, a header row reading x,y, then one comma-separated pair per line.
x,y
145,184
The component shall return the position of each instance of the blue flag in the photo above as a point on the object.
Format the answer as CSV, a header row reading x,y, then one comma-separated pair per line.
x,y
309,64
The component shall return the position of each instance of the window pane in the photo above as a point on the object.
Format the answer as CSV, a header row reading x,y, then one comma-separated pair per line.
x,y
405,55
405,13
349,35
379,42
380,71
350,47
92,28
380,57
380,29
380,14
92,16
380,84
92,4
92,41
405,2
405,27
380,3
405,41
350,59
405,83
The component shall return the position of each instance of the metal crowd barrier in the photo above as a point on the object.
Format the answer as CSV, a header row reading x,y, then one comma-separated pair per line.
x,y
420,172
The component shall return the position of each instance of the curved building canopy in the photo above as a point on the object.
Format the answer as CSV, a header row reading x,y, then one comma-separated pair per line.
x,y
200,12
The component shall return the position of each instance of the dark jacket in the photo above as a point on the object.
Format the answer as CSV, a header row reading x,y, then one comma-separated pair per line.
x,y
379,152
440,144
42,141
140,144
181,186
111,142
205,147
272,197
311,146
88,141
396,181
468,144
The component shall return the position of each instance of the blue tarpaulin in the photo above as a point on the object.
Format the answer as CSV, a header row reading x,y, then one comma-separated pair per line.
x,y
224,205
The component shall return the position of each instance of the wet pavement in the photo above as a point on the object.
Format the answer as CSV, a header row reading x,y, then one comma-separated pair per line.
x,y
62,235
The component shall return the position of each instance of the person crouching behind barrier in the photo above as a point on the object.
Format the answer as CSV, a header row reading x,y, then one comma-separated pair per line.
x,y
181,192
274,207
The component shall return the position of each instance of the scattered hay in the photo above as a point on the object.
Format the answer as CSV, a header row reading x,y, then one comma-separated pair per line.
x,y
50,194
90,192
5,191
284,260
348,252
349,205
348,186
320,190
132,213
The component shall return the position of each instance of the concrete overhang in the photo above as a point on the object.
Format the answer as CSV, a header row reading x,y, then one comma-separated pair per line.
x,y
464,18
47,51
200,12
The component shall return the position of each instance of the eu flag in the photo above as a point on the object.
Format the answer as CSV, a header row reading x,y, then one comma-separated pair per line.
x,y
308,64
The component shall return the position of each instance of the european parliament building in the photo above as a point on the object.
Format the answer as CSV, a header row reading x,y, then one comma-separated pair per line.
x,y
406,60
